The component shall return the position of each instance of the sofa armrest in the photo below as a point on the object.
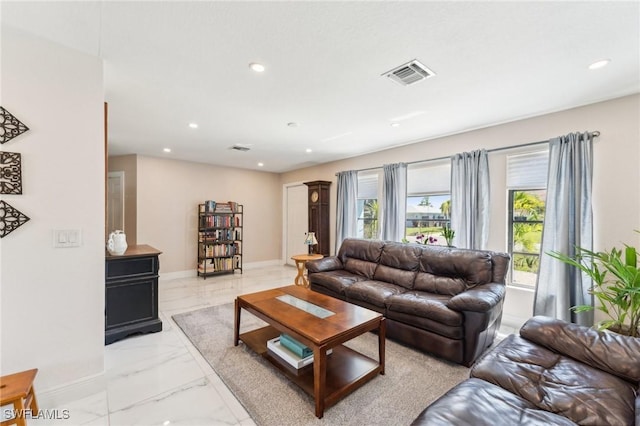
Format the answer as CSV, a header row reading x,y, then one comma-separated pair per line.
x,y
607,351
325,264
482,298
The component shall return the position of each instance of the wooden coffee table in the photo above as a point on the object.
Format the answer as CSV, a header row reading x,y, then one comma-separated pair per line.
x,y
299,312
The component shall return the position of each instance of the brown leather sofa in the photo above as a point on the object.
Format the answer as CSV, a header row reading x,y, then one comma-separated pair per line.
x,y
441,300
553,373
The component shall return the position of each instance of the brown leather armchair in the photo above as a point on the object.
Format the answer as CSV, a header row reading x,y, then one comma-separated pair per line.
x,y
552,373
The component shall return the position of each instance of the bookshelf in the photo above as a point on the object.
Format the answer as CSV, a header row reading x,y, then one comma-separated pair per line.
x,y
219,238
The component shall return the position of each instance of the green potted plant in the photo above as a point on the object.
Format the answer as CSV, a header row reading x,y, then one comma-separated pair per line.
x,y
448,235
616,285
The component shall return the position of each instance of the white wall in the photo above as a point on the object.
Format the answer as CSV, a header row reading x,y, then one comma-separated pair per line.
x,y
52,300
616,185
168,194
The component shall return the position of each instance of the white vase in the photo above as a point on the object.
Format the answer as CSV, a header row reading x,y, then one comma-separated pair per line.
x,y
117,243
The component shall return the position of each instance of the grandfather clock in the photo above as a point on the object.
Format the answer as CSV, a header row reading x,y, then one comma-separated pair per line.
x,y
319,214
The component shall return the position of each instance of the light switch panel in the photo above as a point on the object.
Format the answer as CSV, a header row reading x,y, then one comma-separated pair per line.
x,y
66,238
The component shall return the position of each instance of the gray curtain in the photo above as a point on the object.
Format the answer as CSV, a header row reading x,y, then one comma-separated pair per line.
x,y
470,198
568,223
347,212
394,202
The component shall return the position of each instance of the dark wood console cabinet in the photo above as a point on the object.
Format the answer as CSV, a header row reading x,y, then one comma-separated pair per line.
x,y
131,293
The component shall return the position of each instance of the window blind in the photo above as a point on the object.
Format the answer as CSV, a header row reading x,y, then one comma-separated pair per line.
x,y
368,185
527,171
428,178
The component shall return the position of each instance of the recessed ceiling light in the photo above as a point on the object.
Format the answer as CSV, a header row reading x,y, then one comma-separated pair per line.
x,y
308,150
256,67
292,124
167,150
395,124
193,125
599,64
260,164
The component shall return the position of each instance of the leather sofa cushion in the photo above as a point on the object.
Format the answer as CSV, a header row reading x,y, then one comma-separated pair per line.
x,y
479,403
558,384
398,264
360,256
452,334
372,292
450,271
336,281
611,352
425,305
439,285
369,250
360,267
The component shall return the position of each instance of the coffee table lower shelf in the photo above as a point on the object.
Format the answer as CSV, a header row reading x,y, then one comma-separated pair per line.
x,y
347,369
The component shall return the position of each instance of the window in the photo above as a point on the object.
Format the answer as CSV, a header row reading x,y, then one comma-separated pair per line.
x,y
526,216
428,202
427,215
368,226
526,183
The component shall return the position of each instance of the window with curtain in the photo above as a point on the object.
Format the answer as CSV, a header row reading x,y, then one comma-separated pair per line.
x,y
368,190
428,202
526,186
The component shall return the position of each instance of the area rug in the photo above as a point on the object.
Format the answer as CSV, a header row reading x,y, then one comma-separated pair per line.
x,y
412,379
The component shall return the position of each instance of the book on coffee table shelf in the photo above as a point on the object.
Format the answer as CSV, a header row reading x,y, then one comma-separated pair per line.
x,y
295,346
276,347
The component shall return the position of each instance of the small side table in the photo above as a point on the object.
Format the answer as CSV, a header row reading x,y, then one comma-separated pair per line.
x,y
301,262
17,389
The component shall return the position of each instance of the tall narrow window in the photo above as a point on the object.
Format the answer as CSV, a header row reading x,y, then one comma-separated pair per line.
x,y
526,184
428,202
368,190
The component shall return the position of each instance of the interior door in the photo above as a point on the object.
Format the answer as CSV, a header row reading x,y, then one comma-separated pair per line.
x,y
297,221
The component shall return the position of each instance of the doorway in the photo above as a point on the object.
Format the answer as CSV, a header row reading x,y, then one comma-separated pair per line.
x,y
115,201
296,221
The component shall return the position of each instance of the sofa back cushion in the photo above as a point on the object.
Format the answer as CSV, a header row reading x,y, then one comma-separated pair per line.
x,y
360,256
451,271
398,264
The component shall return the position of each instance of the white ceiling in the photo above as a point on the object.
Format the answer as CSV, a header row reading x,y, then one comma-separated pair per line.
x,y
171,63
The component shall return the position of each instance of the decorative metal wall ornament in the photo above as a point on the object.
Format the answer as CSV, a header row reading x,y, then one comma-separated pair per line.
x,y
10,126
10,173
10,219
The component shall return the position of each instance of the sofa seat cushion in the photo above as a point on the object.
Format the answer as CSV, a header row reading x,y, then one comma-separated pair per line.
x,y
372,292
425,305
476,402
335,281
557,383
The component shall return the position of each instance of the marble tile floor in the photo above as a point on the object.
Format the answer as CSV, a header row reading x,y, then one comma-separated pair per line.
x,y
161,378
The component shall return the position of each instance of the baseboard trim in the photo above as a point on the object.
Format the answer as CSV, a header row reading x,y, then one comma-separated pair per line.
x,y
263,264
247,266
72,391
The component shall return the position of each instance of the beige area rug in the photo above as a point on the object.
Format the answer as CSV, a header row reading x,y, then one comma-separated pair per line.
x,y
412,379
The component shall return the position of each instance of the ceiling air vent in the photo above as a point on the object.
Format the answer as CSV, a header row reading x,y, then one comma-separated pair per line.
x,y
239,147
409,73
